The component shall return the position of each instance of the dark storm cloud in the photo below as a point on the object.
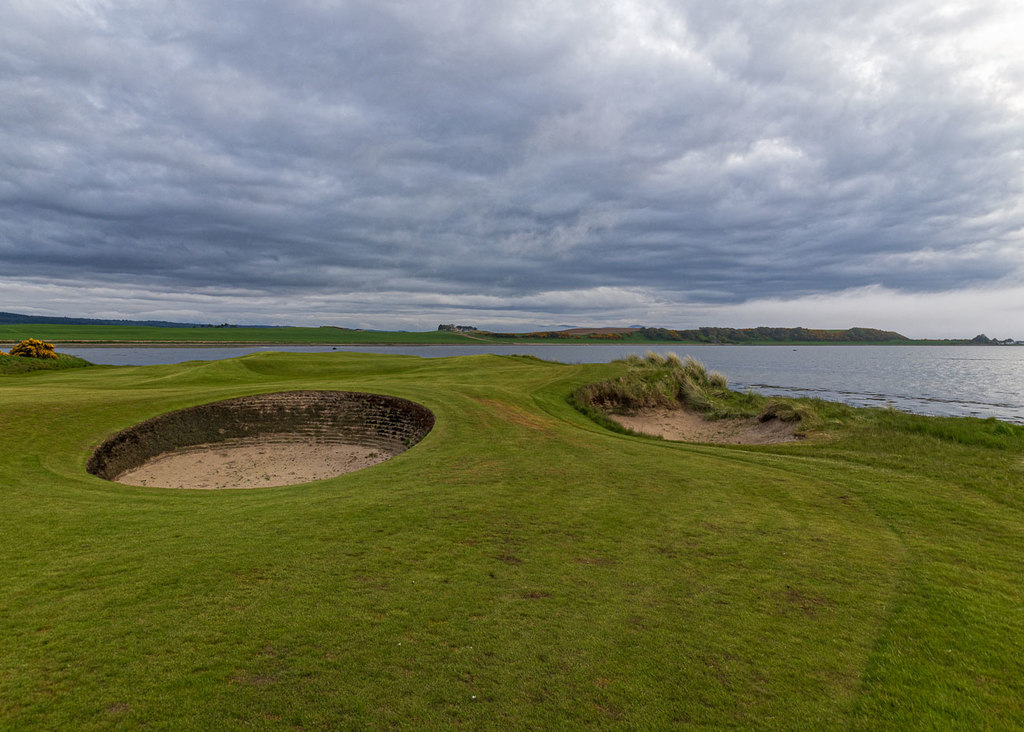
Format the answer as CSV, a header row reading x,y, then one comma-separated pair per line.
x,y
699,152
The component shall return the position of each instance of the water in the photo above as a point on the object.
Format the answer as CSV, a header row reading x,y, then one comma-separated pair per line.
x,y
976,381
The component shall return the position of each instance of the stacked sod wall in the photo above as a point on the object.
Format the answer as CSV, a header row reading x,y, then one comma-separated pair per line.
x,y
388,423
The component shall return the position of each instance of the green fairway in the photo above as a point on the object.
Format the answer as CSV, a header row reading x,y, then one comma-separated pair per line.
x,y
20,364
520,568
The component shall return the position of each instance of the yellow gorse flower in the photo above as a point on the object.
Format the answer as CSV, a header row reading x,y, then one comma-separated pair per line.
x,y
33,348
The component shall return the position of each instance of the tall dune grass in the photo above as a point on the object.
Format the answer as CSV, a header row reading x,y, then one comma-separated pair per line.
x,y
667,381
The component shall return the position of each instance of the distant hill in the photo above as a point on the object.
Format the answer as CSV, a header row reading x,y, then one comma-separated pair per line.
x,y
631,334
780,335
20,319
720,335
599,331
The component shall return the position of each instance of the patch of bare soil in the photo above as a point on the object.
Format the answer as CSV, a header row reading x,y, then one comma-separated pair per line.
x,y
251,464
686,426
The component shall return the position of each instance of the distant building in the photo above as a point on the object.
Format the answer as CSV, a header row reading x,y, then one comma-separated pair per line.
x,y
455,328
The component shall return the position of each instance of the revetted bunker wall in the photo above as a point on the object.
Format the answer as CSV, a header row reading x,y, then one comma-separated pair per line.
x,y
388,423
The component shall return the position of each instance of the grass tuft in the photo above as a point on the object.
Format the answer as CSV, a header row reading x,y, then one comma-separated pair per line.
x,y
785,410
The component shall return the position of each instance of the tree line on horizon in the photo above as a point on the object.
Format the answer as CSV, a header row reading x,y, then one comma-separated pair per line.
x,y
715,335
764,333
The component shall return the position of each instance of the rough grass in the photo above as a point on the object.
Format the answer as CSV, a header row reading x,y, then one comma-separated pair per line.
x,y
668,382
521,567
23,364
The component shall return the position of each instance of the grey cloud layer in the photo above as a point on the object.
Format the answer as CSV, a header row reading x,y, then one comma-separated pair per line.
x,y
714,151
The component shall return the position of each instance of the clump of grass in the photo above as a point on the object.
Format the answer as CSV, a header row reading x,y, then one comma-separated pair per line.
x,y
783,410
667,381
670,382
20,364
655,359
718,380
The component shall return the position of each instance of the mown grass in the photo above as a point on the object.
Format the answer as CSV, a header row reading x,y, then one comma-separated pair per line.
x,y
522,567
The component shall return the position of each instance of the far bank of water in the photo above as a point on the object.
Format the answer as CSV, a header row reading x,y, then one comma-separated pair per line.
x,y
975,381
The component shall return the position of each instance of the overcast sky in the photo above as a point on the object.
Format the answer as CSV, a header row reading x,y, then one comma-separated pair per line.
x,y
398,164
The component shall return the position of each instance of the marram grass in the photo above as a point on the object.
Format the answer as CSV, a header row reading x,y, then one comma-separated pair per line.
x,y
669,382
520,568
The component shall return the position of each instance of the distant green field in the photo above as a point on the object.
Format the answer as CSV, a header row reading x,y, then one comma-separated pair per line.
x,y
520,568
62,333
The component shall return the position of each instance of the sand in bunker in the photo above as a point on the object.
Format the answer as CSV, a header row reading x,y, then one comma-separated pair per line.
x,y
686,426
251,465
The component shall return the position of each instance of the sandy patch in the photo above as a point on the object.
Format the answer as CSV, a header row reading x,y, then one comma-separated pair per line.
x,y
251,464
685,426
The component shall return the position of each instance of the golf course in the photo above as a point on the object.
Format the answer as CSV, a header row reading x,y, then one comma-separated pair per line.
x,y
523,565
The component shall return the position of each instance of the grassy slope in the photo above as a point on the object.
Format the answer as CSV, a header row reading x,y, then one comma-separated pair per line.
x,y
560,574
21,364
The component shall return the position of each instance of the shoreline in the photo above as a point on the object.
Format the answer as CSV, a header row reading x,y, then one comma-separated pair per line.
x,y
983,403
649,345
225,344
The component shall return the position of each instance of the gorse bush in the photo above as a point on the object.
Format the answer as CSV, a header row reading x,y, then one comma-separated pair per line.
x,y
36,355
33,348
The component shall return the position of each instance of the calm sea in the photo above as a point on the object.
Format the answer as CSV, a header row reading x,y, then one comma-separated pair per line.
x,y
977,381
